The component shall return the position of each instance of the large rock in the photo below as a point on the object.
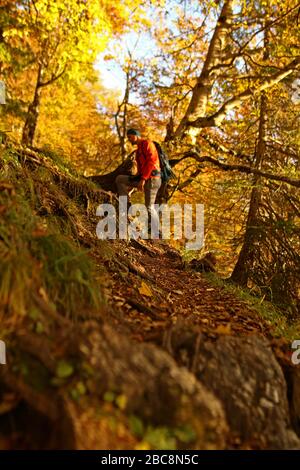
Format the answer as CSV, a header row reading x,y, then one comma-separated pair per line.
x,y
154,387
244,374
118,380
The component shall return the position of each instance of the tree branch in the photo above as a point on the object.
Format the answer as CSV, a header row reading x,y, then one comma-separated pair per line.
x,y
53,78
202,89
217,118
221,148
241,168
189,180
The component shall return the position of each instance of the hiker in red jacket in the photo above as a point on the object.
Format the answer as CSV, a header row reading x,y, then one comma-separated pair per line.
x,y
148,178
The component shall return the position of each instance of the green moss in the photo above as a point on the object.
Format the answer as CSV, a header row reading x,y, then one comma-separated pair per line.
x,y
67,274
35,253
60,161
64,369
162,437
265,309
31,370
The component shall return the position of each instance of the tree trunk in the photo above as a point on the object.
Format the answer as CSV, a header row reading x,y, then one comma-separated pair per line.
x,y
240,274
107,181
32,113
202,90
121,128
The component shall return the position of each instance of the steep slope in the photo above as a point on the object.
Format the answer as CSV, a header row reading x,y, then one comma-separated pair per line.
x,y
120,344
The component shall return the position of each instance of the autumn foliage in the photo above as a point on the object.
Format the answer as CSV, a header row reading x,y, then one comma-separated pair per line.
x,y
219,86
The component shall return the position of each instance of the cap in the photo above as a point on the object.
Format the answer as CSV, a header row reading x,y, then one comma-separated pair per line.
x,y
133,132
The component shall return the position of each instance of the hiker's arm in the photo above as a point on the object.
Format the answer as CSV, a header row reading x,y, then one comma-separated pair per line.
x,y
151,157
141,185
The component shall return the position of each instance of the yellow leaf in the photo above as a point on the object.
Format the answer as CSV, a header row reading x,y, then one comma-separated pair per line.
x,y
142,446
224,329
43,294
121,401
145,290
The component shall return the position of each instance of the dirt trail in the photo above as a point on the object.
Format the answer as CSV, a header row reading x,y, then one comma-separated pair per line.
x,y
158,292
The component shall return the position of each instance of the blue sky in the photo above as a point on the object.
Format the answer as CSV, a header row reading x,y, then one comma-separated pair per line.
x,y
142,44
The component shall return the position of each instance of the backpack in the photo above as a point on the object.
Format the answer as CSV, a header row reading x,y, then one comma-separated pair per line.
x,y
166,171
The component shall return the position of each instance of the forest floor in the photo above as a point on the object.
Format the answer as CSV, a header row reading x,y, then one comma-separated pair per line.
x,y
155,289
91,328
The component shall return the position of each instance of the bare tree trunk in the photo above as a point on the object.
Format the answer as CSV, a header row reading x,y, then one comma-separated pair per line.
x,y
108,181
202,89
33,108
121,128
240,274
32,113
216,62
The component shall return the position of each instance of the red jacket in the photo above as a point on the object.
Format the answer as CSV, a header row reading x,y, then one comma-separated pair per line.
x,y
147,159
